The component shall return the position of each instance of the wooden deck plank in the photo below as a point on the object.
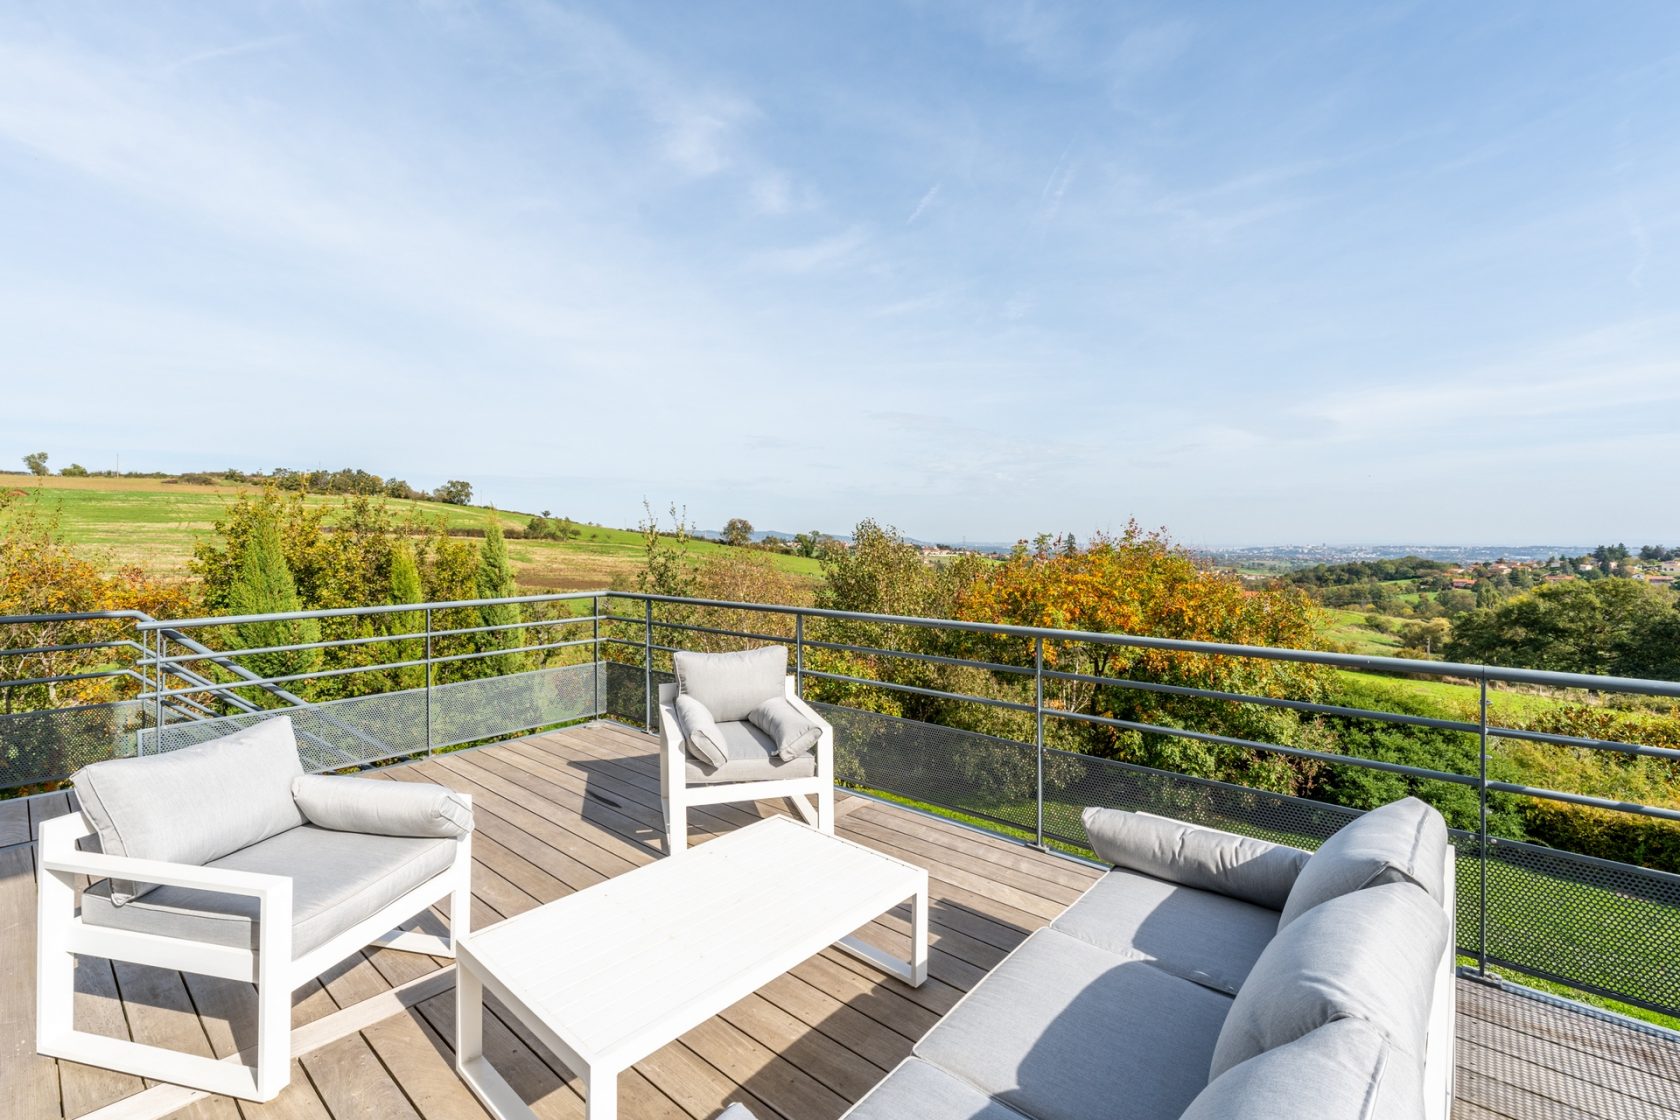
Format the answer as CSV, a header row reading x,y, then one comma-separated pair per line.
x,y
14,821
29,1083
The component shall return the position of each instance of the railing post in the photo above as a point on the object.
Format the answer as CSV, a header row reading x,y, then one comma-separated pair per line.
x,y
595,635
1482,837
647,666
799,655
1038,727
157,694
428,682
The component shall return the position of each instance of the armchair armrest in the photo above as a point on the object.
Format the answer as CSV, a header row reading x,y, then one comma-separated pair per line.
x,y
59,854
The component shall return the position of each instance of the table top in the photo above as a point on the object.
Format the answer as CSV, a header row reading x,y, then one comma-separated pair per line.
x,y
624,966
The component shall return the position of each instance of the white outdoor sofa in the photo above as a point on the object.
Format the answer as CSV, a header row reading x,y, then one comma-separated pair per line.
x,y
1210,976
224,859
752,765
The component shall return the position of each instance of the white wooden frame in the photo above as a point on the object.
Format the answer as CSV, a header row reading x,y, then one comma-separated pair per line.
x,y
677,796
61,934
598,1068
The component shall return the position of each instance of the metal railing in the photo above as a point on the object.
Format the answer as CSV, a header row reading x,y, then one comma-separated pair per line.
x,y
994,753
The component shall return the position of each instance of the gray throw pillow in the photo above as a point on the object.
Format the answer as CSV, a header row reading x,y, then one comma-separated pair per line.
x,y
378,808
1345,1068
795,735
732,684
1252,870
195,804
1369,955
700,734
1405,841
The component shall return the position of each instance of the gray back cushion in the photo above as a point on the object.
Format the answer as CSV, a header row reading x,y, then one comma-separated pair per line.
x,y
1369,955
700,735
376,808
1346,1068
1403,842
731,685
196,804
1252,870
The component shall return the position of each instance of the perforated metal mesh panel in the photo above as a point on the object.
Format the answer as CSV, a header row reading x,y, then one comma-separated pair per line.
x,y
1603,927
625,694
362,729
44,746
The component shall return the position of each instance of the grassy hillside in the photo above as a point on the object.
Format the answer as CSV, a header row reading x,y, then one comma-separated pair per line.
x,y
153,525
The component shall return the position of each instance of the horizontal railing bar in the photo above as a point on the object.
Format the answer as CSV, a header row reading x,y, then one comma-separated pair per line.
x,y
1267,701
933,658
71,616
64,678
919,691
1585,799
1218,649
342,612
76,647
1276,748
509,652
689,626
1588,744
339,643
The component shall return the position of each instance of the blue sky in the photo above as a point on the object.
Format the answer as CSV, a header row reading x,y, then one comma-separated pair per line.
x,y
1257,273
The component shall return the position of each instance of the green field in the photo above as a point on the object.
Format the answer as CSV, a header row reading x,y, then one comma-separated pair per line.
x,y
153,525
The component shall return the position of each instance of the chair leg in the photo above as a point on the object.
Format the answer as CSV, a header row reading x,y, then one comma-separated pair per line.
x,y
55,966
825,809
676,827
274,1037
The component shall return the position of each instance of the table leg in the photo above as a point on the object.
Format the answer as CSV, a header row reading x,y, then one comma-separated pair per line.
x,y
919,937
469,1015
600,1094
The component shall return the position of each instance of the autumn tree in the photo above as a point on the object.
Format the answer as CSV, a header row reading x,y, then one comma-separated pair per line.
x,y
738,532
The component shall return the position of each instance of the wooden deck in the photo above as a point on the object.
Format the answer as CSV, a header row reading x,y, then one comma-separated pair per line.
x,y
562,811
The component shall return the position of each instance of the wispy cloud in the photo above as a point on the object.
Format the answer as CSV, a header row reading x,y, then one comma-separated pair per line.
x,y
814,256
923,203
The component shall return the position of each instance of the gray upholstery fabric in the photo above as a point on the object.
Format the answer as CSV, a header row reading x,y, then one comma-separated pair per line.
x,y
794,734
752,758
382,808
700,735
1063,1030
1345,1070
1204,937
195,804
1251,870
732,684
1404,841
338,878
1368,955
918,1090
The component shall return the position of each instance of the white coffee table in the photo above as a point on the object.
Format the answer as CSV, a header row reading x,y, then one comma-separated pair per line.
x,y
608,975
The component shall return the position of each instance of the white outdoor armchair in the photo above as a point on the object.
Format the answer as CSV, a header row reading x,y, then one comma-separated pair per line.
x,y
752,770
225,860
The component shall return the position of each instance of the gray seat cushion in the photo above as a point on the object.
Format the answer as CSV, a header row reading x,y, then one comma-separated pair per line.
x,y
924,1091
195,804
752,758
732,684
1204,937
1405,841
1253,870
1063,1030
338,879
1351,1071
1368,955
382,808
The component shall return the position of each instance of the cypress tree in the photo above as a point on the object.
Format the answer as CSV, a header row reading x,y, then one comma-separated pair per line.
x,y
406,588
264,585
495,581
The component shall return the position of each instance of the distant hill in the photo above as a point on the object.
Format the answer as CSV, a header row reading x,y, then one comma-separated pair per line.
x,y
1307,555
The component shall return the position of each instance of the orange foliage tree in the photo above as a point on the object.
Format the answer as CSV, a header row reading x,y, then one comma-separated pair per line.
x,y
1139,583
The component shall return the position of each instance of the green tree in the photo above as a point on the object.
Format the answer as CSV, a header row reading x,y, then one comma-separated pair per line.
x,y
263,585
1622,627
454,492
738,532
495,581
406,588
74,470
37,463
